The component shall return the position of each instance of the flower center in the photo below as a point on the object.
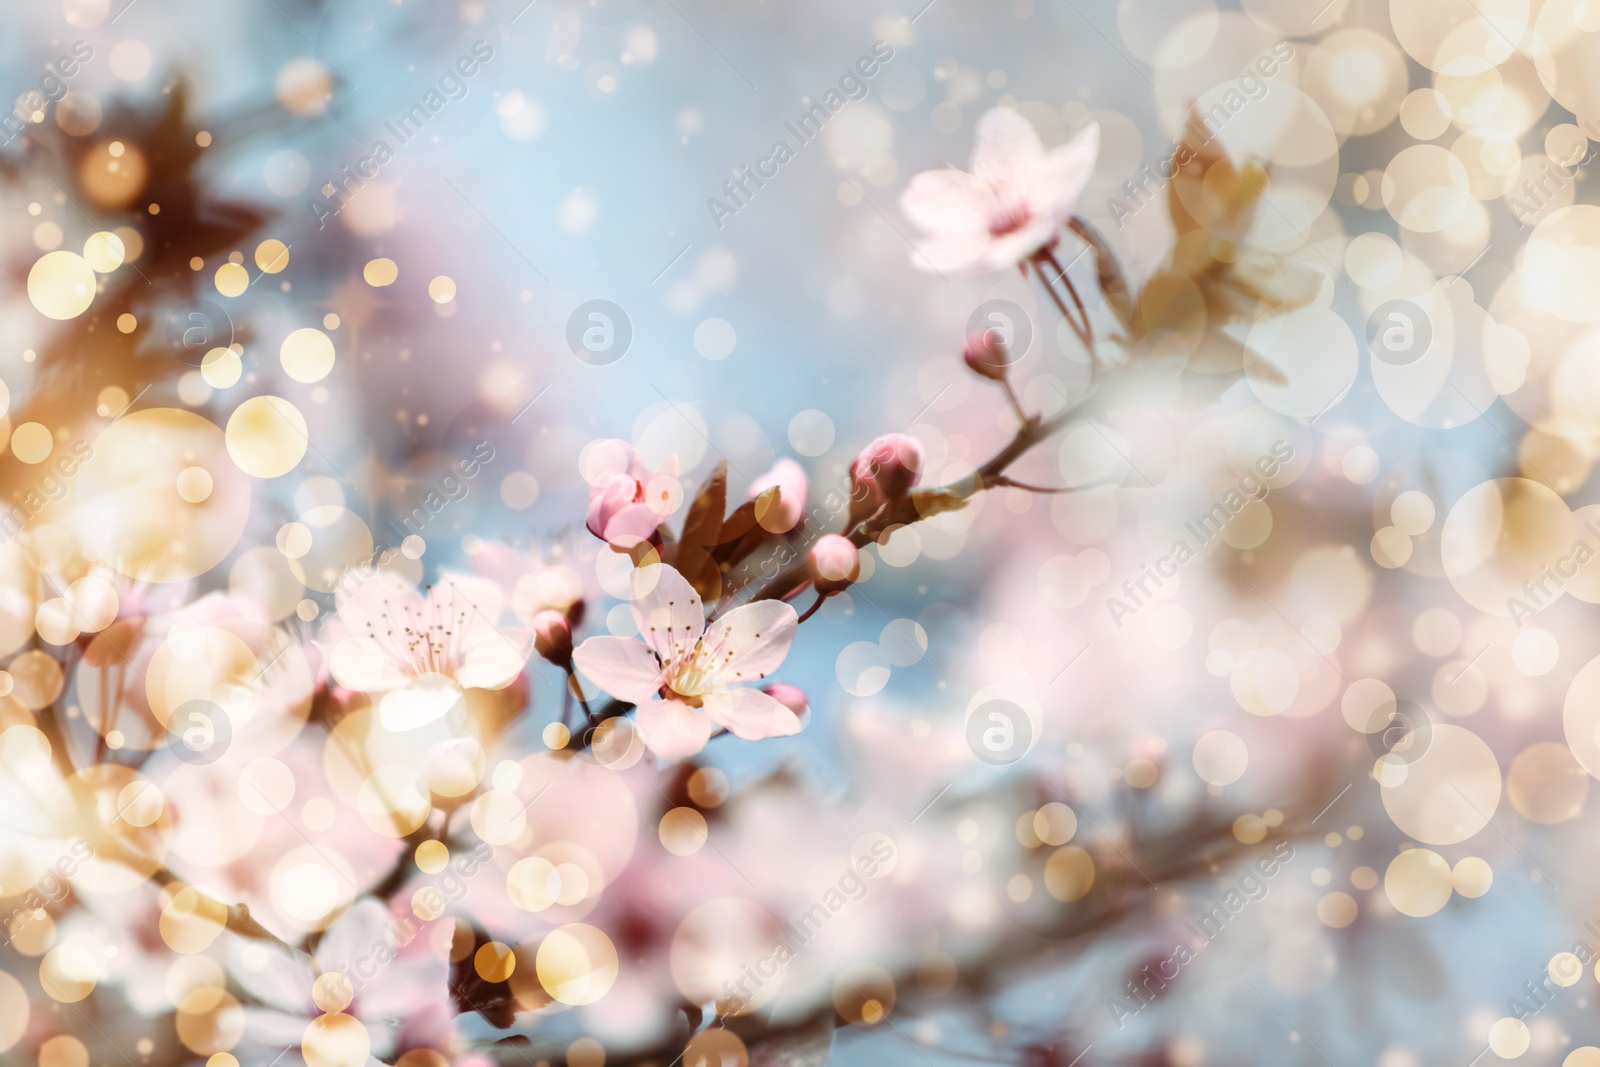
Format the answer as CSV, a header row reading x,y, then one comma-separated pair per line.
x,y
691,682
1007,218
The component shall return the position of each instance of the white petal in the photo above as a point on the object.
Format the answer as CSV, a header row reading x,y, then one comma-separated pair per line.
x,y
955,253
1061,176
358,934
1008,146
749,642
491,658
274,977
946,201
669,613
466,596
621,666
751,714
673,730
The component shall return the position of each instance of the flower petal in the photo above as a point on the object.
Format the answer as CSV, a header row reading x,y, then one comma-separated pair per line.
x,y
751,714
491,658
954,253
668,611
1008,146
621,666
946,201
1062,174
749,642
355,936
673,730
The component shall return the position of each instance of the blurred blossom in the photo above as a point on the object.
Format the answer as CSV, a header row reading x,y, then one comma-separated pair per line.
x,y
1013,203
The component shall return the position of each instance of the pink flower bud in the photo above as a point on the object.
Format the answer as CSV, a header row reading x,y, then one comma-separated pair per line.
x,y
834,563
790,480
552,637
618,512
987,355
884,471
790,697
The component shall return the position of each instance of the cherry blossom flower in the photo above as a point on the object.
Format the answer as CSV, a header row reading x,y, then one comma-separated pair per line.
x,y
626,502
687,677
410,1003
422,651
1010,206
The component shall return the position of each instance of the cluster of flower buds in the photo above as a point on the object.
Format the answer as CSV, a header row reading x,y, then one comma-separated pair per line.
x,y
884,472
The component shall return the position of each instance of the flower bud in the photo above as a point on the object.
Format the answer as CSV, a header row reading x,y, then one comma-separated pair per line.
x,y
884,471
834,563
789,478
987,355
552,637
790,697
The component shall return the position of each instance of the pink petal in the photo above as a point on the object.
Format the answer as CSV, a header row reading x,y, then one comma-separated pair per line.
x,y
751,714
1063,174
1008,146
749,642
621,666
668,611
946,201
630,525
672,730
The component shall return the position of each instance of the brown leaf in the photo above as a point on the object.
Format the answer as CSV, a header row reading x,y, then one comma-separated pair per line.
x,y
702,530
741,533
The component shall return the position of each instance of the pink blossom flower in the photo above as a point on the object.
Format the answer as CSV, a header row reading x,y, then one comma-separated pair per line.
x,y
1009,207
834,563
622,511
420,651
687,677
790,480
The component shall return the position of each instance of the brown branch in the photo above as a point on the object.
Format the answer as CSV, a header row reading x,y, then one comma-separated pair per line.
x,y
1128,877
239,919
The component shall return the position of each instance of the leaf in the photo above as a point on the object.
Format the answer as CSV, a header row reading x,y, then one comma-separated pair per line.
x,y
702,530
1212,279
931,502
742,534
